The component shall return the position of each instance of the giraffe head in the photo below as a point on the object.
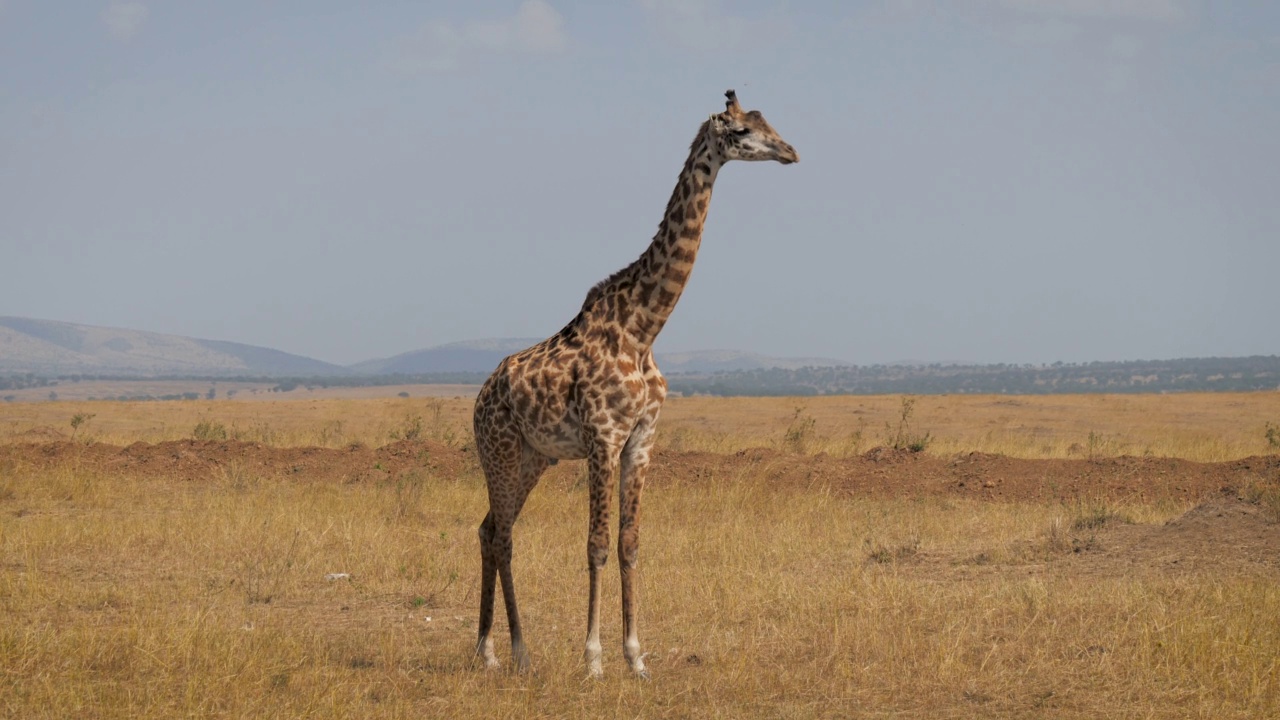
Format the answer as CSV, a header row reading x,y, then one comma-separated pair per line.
x,y
739,135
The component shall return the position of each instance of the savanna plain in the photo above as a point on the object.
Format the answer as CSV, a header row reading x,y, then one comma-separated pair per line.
x,y
311,555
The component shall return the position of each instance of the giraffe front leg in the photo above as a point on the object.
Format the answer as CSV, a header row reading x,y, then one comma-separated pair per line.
x,y
635,465
592,656
601,478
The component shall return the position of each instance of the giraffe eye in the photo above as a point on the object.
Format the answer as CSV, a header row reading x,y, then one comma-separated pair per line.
x,y
742,131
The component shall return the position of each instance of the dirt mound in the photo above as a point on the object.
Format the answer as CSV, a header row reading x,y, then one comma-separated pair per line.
x,y
1223,534
40,434
879,473
890,473
195,460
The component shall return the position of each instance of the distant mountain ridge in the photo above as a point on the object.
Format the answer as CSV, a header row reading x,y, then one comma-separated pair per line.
x,y
465,356
34,353
51,347
484,356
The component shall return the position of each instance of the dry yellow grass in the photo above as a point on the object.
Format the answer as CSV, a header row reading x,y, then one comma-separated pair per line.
x,y
1205,427
131,597
1196,426
145,597
332,422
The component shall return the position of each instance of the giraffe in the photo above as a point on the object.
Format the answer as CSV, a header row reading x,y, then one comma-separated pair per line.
x,y
593,391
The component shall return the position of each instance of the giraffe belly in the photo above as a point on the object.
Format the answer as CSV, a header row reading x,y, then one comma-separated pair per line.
x,y
562,441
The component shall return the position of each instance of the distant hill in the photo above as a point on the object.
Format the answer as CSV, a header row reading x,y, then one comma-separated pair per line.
x,y
33,352
710,361
483,356
49,347
480,356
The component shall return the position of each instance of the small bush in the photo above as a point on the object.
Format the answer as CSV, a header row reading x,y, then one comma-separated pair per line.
x,y
77,420
800,432
902,437
209,430
410,430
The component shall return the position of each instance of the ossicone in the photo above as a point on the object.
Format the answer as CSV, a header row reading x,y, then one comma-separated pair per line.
x,y
731,103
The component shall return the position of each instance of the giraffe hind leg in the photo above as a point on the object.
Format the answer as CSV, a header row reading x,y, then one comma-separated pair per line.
x,y
499,455
488,585
512,469
532,465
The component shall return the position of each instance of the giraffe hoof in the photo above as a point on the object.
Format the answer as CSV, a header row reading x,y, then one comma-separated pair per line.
x,y
638,668
486,656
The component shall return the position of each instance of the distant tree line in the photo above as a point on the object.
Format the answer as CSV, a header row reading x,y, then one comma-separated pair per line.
x,y
1136,376
24,381
1259,372
286,384
143,397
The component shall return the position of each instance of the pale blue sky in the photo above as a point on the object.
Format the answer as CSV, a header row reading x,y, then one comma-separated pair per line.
x,y
987,181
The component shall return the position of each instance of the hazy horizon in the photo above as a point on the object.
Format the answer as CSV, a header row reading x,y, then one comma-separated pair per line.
x,y
515,344
1000,181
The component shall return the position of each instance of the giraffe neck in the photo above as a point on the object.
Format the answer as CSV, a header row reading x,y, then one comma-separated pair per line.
x,y
641,296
